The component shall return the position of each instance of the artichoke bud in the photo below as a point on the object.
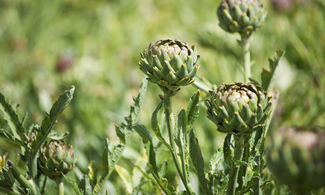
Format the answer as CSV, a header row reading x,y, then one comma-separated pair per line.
x,y
242,16
170,64
297,158
239,108
56,159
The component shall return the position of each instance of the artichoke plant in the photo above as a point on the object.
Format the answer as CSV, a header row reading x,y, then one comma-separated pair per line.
x,y
297,158
170,64
239,108
56,159
242,16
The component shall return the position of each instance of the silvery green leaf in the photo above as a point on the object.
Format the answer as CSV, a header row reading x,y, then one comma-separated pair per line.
x,y
111,155
155,125
143,132
50,119
227,153
193,108
138,102
267,75
147,140
12,119
197,159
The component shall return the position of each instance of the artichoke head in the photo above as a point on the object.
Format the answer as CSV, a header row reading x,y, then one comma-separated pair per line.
x,y
297,158
170,64
242,16
56,159
239,108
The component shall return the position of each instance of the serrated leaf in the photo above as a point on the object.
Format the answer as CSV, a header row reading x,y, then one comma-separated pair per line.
x,y
193,108
12,118
50,119
126,178
227,153
143,132
147,140
266,75
155,125
138,102
112,154
123,130
197,159
181,140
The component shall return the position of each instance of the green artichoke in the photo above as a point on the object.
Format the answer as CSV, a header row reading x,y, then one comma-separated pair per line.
x,y
239,108
242,16
56,159
297,158
170,64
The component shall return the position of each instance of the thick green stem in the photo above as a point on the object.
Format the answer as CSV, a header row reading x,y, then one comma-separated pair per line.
x,y
244,43
239,148
32,166
170,128
60,186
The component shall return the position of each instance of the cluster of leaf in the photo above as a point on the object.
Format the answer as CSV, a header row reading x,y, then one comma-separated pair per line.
x,y
29,140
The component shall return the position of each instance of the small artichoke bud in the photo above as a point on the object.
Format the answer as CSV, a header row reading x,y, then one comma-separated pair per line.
x,y
56,159
170,64
242,16
239,108
297,158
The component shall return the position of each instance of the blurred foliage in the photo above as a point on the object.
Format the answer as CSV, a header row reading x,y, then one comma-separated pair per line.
x,y
47,46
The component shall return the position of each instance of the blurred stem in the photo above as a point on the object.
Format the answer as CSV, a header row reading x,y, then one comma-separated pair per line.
x,y
60,186
239,149
170,128
244,43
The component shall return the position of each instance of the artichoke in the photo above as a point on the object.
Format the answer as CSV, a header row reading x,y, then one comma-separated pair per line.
x,y
242,16
239,108
297,158
56,159
170,64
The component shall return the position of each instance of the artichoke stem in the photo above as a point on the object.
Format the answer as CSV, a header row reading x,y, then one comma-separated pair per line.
x,y
60,187
244,43
170,127
239,149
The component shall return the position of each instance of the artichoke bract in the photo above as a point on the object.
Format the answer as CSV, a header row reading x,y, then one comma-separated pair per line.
x,y
56,159
297,158
239,108
170,64
242,16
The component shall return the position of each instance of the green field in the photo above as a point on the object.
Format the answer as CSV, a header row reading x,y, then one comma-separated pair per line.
x,y
46,47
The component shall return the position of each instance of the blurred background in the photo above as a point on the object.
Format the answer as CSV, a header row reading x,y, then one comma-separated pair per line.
x,y
48,46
